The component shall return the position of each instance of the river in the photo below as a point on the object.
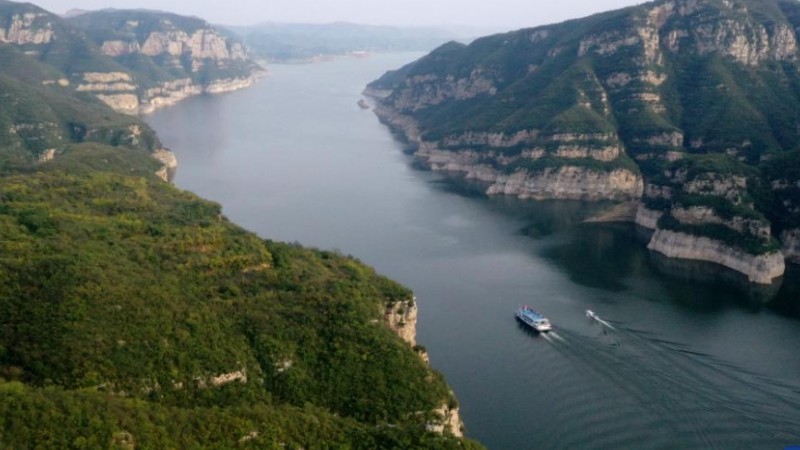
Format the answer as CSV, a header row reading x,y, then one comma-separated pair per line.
x,y
690,357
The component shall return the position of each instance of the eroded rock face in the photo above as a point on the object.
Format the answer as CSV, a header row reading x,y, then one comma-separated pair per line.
x,y
401,317
762,269
449,421
169,161
28,28
428,90
570,183
701,215
647,218
791,245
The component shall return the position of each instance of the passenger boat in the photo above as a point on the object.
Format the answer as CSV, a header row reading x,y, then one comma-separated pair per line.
x,y
533,319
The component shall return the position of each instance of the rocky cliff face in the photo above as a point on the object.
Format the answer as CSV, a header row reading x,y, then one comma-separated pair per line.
x,y
500,173
134,61
663,102
27,28
401,317
191,56
763,269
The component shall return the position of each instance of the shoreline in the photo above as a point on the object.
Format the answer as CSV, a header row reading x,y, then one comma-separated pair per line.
x,y
759,269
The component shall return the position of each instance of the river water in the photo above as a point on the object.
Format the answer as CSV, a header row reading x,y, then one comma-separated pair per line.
x,y
689,357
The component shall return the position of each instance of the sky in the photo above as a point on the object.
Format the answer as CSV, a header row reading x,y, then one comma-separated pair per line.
x,y
508,14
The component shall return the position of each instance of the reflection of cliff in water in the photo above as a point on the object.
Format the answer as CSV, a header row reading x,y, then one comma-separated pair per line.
x,y
704,272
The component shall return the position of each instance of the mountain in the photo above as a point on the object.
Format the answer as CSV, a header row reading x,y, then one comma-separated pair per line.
x,y
302,42
135,315
135,61
690,106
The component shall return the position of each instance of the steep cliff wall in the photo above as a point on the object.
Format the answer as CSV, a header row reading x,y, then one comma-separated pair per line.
x,y
29,27
665,102
506,174
401,317
761,269
168,58
647,218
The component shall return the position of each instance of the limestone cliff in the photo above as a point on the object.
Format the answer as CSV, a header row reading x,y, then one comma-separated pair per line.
x,y
182,56
401,317
506,174
763,269
169,164
27,27
689,106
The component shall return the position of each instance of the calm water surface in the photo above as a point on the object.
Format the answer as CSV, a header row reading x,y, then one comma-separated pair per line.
x,y
691,357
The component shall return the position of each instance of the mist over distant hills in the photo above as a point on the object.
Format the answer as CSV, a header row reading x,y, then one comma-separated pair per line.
x,y
298,42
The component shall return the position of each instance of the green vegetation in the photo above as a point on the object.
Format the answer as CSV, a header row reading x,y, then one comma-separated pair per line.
x,y
123,297
746,242
135,27
723,100
135,315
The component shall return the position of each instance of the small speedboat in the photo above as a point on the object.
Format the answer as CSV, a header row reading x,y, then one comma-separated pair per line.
x,y
591,315
533,319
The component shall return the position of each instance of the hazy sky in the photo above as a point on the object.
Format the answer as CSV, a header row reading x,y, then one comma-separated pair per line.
x,y
485,13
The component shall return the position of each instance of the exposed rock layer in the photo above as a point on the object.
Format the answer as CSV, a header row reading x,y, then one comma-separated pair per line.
x,y
761,269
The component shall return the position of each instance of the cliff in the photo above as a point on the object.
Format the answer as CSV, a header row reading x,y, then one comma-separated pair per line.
x,y
134,61
763,269
141,309
171,58
401,318
689,106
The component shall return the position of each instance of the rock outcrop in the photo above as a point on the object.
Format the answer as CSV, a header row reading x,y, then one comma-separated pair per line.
x,y
448,420
647,218
628,105
401,317
170,164
27,28
763,269
500,173
191,56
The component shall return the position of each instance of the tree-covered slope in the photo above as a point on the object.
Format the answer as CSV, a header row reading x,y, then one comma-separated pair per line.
x,y
652,89
133,60
161,47
41,115
117,287
135,315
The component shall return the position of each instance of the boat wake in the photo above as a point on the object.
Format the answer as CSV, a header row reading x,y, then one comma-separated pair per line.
x,y
640,390
555,336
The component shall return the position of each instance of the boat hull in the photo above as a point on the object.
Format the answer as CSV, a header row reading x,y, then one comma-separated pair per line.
x,y
536,327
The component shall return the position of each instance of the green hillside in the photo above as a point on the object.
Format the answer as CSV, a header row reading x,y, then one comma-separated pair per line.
x,y
38,114
136,27
670,81
135,315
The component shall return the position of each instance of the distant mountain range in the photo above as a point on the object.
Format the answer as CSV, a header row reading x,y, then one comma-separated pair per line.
x,y
691,106
302,42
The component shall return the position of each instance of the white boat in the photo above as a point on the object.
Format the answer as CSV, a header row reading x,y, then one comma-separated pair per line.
x,y
591,315
533,319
